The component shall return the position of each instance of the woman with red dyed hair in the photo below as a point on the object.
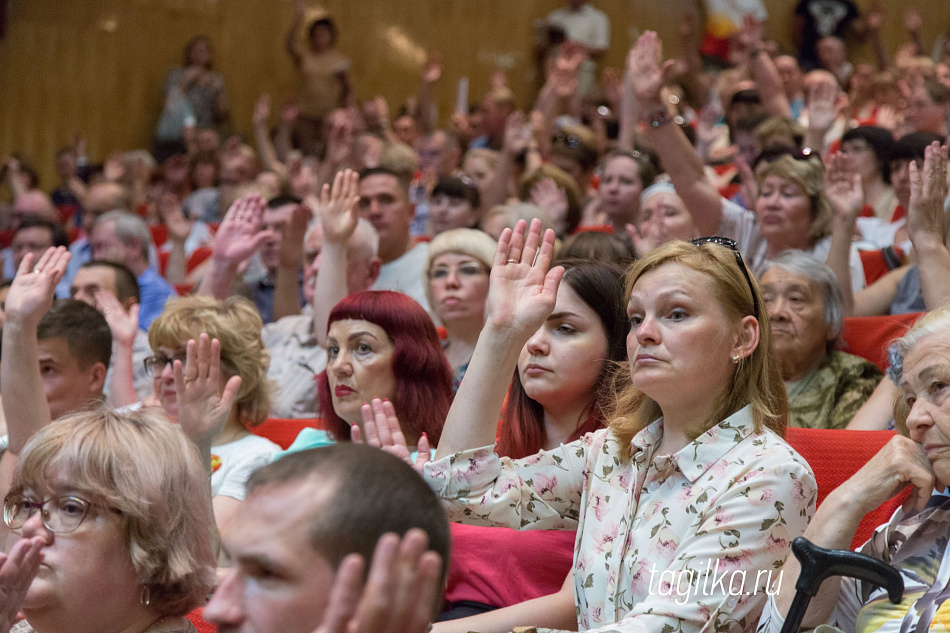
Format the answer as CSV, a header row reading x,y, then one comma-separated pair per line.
x,y
382,344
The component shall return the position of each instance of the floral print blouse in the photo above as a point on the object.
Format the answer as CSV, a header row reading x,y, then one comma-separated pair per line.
x,y
916,544
659,537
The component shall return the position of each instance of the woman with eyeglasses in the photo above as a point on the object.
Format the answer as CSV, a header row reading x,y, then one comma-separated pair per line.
x,y
209,371
118,505
457,286
689,497
792,210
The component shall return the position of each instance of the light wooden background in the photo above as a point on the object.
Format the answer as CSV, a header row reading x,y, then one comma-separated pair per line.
x,y
98,65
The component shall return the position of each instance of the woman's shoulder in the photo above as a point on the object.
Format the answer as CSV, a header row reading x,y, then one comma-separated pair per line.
x,y
248,444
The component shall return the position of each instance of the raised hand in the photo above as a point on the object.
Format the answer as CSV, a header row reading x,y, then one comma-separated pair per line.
x,y
551,199
432,69
913,20
823,106
928,190
642,244
843,188
522,290
289,111
750,35
337,207
17,570
239,234
124,325
32,291
517,134
290,252
400,589
204,404
382,430
261,115
646,72
179,227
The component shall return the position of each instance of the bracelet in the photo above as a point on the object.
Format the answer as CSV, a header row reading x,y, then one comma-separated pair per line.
x,y
659,117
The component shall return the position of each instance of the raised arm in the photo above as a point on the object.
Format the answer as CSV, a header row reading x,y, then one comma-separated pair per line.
x,y
238,237
927,227
764,72
521,295
290,39
124,325
262,139
680,159
427,111
290,262
338,218
179,228
24,404
847,199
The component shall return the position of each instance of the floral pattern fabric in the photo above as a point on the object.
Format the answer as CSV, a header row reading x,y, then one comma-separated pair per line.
x,y
916,545
664,542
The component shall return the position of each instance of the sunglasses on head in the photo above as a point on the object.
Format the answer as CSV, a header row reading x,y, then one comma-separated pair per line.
x,y
734,247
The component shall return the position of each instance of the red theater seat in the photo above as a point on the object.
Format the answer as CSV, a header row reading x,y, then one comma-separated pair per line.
x,y
836,454
283,431
869,337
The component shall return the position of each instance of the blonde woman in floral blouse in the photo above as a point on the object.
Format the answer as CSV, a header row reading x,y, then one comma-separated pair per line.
x,y
686,505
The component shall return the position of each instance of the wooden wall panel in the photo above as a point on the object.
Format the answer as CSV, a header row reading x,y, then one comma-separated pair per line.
x,y
99,65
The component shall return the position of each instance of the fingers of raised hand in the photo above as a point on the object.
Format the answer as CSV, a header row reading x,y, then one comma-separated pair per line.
x,y
369,426
344,597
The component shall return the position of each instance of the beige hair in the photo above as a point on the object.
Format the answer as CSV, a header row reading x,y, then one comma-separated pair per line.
x,y
809,173
236,323
472,242
757,381
143,466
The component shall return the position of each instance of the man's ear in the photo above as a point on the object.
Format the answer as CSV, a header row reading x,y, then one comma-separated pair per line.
x,y
747,338
97,378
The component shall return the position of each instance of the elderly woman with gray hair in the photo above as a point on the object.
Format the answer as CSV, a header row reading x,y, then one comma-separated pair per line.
x,y
825,386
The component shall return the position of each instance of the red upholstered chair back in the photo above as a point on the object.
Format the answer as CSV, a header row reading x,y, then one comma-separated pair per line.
x,y
869,337
282,431
195,617
836,454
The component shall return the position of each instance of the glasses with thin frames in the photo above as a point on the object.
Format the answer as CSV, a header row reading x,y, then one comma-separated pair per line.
x,y
60,515
734,247
465,270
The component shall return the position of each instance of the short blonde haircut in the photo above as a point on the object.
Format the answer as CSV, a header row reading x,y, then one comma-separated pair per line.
x,y
144,467
236,323
757,381
809,173
471,242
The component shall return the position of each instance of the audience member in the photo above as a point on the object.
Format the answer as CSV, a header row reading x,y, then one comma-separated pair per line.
x,y
384,201
33,235
324,516
825,386
112,289
123,238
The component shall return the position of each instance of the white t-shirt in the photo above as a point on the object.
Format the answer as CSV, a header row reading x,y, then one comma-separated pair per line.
x,y
407,275
587,25
239,459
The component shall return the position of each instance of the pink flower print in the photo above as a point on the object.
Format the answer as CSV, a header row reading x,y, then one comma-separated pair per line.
x,y
778,542
640,581
799,493
722,517
684,495
762,497
604,538
665,543
620,480
544,485
703,612
599,505
719,469
596,617
734,559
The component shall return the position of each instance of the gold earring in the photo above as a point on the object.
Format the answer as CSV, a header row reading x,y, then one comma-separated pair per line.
x,y
145,598
735,359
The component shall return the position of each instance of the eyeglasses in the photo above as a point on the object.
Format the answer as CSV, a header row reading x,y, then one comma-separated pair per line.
x,y
734,247
59,514
157,363
468,269
571,140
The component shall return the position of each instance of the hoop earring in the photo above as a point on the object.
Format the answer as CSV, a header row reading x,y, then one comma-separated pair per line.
x,y
145,598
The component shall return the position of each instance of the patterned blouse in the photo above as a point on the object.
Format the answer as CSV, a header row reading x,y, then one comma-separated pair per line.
x,y
916,545
682,542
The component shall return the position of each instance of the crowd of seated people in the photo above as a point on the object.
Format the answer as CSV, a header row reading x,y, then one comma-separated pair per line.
x,y
580,328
